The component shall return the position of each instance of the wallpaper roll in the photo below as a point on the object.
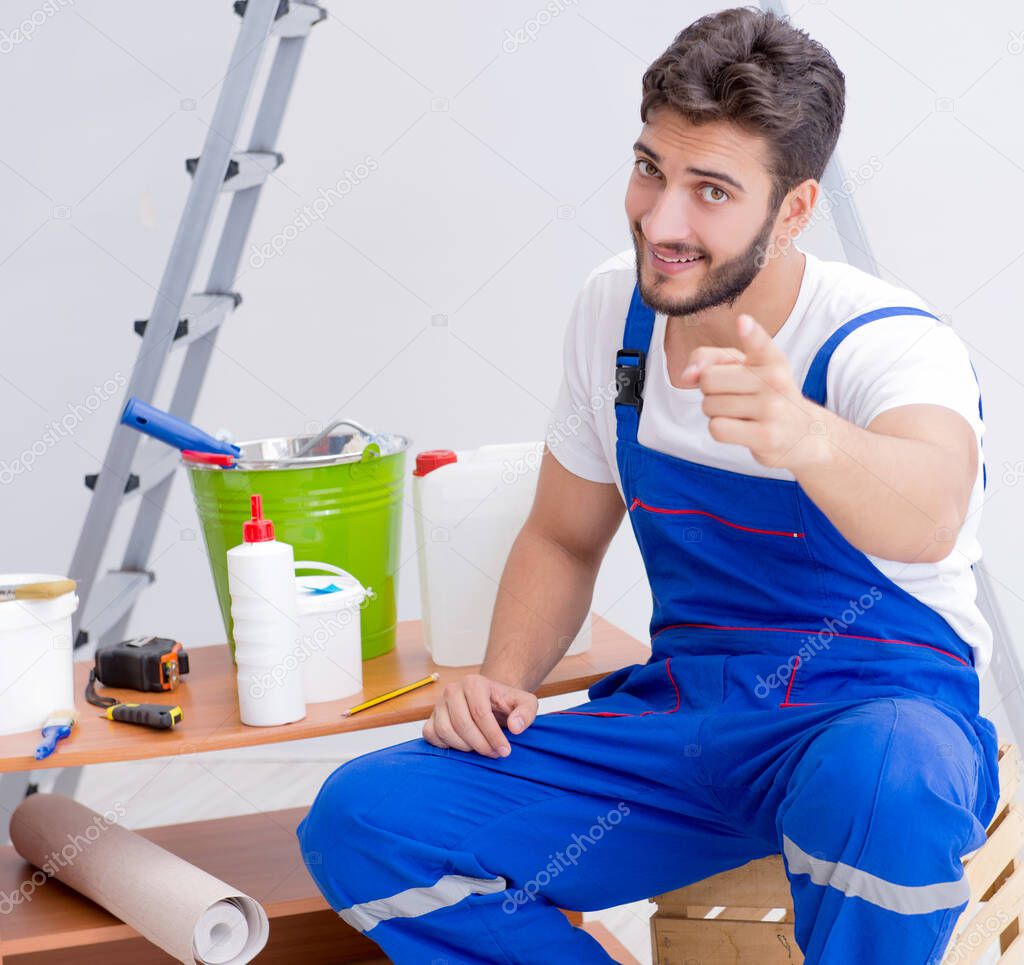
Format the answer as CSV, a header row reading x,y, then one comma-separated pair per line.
x,y
191,915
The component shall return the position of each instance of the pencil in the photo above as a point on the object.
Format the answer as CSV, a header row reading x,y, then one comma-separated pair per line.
x,y
391,693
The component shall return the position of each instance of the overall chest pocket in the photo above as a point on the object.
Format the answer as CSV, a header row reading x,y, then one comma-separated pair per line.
x,y
712,567
823,672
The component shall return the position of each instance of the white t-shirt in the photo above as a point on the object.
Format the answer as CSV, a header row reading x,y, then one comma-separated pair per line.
x,y
895,361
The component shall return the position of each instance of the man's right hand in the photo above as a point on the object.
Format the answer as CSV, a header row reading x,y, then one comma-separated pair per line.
x,y
471,712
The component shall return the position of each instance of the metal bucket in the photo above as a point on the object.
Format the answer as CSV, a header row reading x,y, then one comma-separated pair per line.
x,y
339,502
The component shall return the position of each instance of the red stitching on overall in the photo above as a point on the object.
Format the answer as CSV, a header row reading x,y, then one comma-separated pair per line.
x,y
606,713
848,636
700,512
786,702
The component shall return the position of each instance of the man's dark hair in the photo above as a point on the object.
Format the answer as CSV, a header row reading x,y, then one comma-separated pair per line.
x,y
760,72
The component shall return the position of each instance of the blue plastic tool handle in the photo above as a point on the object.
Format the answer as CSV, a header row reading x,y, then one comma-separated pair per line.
x,y
172,430
51,735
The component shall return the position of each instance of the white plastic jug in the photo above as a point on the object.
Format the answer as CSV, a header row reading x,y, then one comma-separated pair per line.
x,y
470,506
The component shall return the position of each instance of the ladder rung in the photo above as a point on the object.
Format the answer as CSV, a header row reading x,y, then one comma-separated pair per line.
x,y
141,323
298,20
240,5
111,597
154,462
131,484
200,315
246,169
292,19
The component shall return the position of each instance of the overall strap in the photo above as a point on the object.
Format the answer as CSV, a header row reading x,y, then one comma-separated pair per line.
x,y
630,366
816,381
815,385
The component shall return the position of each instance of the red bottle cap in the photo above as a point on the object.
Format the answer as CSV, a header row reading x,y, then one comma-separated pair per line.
x,y
257,529
432,459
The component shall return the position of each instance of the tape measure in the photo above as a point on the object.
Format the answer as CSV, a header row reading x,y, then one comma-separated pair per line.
x,y
143,663
153,664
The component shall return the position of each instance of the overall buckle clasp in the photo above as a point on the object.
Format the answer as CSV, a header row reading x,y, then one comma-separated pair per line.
x,y
629,377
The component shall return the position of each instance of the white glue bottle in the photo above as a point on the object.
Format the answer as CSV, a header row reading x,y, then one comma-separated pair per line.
x,y
264,611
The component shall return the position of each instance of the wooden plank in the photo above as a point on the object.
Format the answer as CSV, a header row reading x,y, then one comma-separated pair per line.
x,y
1010,935
318,938
135,951
723,912
209,702
757,884
989,861
739,913
312,939
1009,776
686,941
1014,955
969,945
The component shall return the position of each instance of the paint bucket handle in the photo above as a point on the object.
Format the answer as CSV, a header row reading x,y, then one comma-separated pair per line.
x,y
324,433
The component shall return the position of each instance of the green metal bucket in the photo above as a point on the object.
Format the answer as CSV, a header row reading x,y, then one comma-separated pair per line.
x,y
340,504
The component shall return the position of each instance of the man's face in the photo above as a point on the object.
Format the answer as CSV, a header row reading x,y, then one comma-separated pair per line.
x,y
701,192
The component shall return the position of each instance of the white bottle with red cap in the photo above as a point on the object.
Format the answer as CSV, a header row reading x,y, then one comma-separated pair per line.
x,y
266,629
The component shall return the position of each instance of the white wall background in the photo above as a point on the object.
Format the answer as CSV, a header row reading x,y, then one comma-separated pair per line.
x,y
499,185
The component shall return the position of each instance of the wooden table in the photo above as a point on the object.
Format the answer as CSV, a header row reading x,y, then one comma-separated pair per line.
x,y
258,853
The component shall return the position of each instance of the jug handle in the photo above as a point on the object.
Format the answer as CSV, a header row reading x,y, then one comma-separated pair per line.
x,y
330,568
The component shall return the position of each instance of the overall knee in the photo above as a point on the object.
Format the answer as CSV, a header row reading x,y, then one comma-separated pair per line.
x,y
349,815
900,772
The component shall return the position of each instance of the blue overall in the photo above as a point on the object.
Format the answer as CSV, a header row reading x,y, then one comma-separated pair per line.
x,y
796,701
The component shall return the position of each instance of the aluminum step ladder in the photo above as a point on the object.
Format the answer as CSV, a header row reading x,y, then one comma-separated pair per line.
x,y
142,471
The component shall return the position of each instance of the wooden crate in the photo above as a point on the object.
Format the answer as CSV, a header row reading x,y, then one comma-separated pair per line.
x,y
745,916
